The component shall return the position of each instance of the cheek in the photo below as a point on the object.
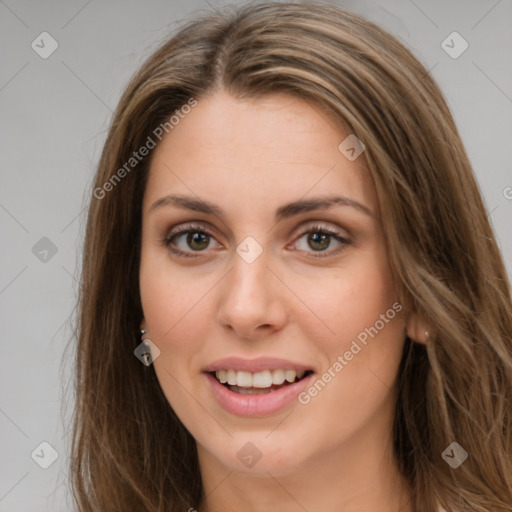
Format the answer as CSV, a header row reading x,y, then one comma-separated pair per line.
x,y
347,300
172,302
365,328
172,305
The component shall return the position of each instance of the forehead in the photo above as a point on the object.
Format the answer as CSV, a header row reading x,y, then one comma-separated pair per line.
x,y
257,152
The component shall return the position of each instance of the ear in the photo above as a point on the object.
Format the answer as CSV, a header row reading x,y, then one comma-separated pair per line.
x,y
417,328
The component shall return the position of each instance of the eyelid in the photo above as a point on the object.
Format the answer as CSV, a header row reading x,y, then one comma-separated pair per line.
x,y
188,226
320,225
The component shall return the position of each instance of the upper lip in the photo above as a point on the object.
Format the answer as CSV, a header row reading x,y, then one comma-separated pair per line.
x,y
254,365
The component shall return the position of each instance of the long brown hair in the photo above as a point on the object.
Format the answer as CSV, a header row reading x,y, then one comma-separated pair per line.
x,y
130,451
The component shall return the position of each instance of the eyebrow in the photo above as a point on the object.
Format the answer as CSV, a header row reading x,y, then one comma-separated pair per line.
x,y
283,212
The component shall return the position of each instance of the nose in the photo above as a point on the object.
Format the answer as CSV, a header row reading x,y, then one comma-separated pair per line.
x,y
252,303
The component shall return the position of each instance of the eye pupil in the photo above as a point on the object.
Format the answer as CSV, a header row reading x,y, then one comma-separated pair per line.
x,y
197,240
318,241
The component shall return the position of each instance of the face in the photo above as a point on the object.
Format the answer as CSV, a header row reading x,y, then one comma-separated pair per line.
x,y
263,260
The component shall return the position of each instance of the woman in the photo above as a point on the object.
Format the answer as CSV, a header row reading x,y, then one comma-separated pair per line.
x,y
292,298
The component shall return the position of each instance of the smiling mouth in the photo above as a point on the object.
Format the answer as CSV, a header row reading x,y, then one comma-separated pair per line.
x,y
259,383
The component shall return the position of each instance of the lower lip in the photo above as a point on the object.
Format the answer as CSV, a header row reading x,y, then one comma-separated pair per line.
x,y
256,405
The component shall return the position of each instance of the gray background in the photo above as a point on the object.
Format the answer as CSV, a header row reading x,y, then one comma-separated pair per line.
x,y
55,113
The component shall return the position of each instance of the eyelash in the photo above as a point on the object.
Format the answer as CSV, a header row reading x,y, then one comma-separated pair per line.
x,y
201,228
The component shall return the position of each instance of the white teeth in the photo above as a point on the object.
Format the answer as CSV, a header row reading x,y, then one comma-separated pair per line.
x,y
290,375
262,380
231,376
278,377
244,379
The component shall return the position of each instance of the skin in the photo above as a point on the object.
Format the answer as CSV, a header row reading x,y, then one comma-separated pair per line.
x,y
250,158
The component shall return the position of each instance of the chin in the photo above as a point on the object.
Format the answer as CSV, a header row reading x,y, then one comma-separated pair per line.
x,y
259,453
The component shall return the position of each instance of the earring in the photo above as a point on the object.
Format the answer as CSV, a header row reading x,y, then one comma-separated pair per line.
x,y
427,334
143,351
147,351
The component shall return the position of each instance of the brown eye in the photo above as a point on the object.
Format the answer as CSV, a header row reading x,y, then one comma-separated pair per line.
x,y
191,240
198,240
321,240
